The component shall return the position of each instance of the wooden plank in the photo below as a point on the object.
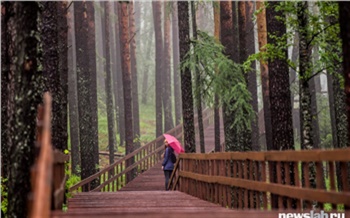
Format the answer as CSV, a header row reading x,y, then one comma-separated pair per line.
x,y
287,155
284,190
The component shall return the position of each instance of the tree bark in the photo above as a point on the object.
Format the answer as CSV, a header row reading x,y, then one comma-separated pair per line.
x,y
156,6
134,84
344,15
186,79
118,84
63,69
244,136
198,85
72,94
251,75
84,92
123,17
6,77
227,38
176,64
23,53
304,72
216,8
168,117
146,70
93,82
108,85
51,70
264,73
281,121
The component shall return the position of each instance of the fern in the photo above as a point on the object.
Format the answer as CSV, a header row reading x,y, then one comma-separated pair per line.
x,y
219,75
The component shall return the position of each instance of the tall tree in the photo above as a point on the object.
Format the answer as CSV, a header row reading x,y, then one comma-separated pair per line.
x,y
251,75
166,97
108,85
344,15
123,17
91,50
118,84
176,79
72,94
216,8
50,68
6,77
304,75
23,54
198,87
134,84
227,38
84,89
281,121
186,79
264,73
62,28
157,11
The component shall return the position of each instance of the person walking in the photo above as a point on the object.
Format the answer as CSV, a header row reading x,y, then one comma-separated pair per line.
x,y
168,165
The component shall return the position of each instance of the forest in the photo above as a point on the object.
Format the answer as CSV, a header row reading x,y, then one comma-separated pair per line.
x,y
122,73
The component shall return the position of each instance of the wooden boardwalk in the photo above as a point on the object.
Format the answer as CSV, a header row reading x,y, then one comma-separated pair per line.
x,y
145,196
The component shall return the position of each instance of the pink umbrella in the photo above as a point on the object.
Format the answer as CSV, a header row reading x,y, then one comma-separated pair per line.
x,y
174,143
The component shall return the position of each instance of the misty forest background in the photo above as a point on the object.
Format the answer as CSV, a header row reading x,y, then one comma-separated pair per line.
x,y
123,73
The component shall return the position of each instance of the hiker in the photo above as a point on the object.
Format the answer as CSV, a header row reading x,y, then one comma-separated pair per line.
x,y
168,165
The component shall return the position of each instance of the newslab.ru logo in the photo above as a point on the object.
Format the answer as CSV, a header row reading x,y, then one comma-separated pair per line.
x,y
312,214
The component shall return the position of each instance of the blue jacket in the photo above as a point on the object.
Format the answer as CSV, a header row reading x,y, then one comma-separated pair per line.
x,y
167,163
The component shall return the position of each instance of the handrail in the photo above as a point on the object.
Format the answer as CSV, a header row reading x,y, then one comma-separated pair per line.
x,y
246,179
145,157
47,175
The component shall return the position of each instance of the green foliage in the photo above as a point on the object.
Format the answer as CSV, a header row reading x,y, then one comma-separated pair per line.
x,y
4,195
322,32
228,83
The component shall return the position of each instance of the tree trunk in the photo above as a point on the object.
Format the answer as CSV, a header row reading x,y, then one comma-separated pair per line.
x,y
294,83
93,83
217,148
198,85
176,64
72,94
123,17
186,79
344,17
304,71
251,75
281,121
23,53
245,139
314,111
156,6
264,73
83,90
227,38
63,69
108,85
6,77
50,69
118,84
146,70
168,117
134,84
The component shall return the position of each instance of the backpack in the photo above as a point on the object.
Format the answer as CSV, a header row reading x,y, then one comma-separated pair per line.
x,y
173,157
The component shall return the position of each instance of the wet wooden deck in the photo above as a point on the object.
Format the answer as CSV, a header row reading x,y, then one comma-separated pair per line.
x,y
145,196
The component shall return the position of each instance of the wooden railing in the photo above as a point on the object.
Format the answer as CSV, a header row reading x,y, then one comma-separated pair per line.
x,y
48,174
112,178
245,180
